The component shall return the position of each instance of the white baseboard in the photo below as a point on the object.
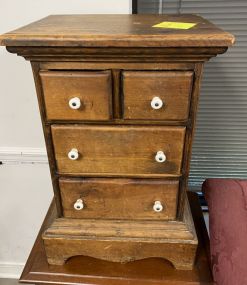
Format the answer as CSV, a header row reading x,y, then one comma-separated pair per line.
x,y
23,155
11,270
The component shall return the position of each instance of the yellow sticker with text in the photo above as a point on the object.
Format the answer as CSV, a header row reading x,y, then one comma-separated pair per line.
x,y
174,25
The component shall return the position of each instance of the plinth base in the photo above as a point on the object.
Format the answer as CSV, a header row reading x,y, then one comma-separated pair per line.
x,y
87,270
123,240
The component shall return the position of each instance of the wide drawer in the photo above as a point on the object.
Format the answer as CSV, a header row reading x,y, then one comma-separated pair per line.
x,y
118,150
157,95
77,95
119,198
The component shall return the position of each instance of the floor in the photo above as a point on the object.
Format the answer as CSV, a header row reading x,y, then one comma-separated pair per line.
x,y
4,281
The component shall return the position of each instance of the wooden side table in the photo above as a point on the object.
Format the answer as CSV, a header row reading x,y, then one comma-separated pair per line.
x,y
90,271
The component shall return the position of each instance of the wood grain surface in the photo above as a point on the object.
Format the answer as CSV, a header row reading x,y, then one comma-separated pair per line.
x,y
117,31
173,88
85,56
92,88
119,198
118,150
122,240
151,271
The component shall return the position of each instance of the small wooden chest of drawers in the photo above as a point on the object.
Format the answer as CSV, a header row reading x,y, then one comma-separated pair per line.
x,y
118,100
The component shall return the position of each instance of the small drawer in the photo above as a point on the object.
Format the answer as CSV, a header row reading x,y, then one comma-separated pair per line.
x,y
157,95
119,198
118,150
77,95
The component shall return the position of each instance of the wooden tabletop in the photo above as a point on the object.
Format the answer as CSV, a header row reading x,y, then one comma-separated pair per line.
x,y
90,271
118,31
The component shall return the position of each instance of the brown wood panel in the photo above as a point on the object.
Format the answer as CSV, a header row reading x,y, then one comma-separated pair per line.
x,y
47,136
92,88
190,135
117,31
61,248
118,55
156,66
129,229
118,150
119,198
150,271
123,122
132,240
141,87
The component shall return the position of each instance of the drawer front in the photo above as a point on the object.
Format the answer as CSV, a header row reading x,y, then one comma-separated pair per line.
x,y
118,150
77,95
119,198
157,95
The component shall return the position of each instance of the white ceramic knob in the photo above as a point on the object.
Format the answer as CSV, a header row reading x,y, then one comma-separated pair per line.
x,y
157,207
78,205
75,103
156,103
160,156
73,154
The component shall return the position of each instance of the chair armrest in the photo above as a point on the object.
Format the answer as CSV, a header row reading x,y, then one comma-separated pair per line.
x,y
227,203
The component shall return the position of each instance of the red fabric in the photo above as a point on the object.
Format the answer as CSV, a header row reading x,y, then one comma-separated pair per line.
x,y
227,202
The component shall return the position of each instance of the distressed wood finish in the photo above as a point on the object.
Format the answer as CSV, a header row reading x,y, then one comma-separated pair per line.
x,y
173,88
47,136
116,133
171,240
189,136
116,66
118,55
151,271
118,150
92,88
119,198
117,31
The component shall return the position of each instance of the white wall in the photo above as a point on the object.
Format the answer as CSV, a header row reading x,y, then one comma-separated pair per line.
x,y
25,188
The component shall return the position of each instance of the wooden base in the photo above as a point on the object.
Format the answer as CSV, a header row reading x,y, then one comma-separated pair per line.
x,y
122,240
90,271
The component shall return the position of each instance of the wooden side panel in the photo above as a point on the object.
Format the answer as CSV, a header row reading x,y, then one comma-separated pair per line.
x,y
173,89
119,198
190,136
47,136
180,254
93,89
118,150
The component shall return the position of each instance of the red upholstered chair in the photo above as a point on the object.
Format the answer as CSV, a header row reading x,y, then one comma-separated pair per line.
x,y
227,203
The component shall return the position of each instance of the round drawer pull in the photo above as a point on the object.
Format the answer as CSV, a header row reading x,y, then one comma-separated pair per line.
x,y
78,205
75,103
73,154
156,103
160,156
157,207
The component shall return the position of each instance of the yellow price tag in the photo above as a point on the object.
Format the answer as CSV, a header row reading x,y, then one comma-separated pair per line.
x,y
174,25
